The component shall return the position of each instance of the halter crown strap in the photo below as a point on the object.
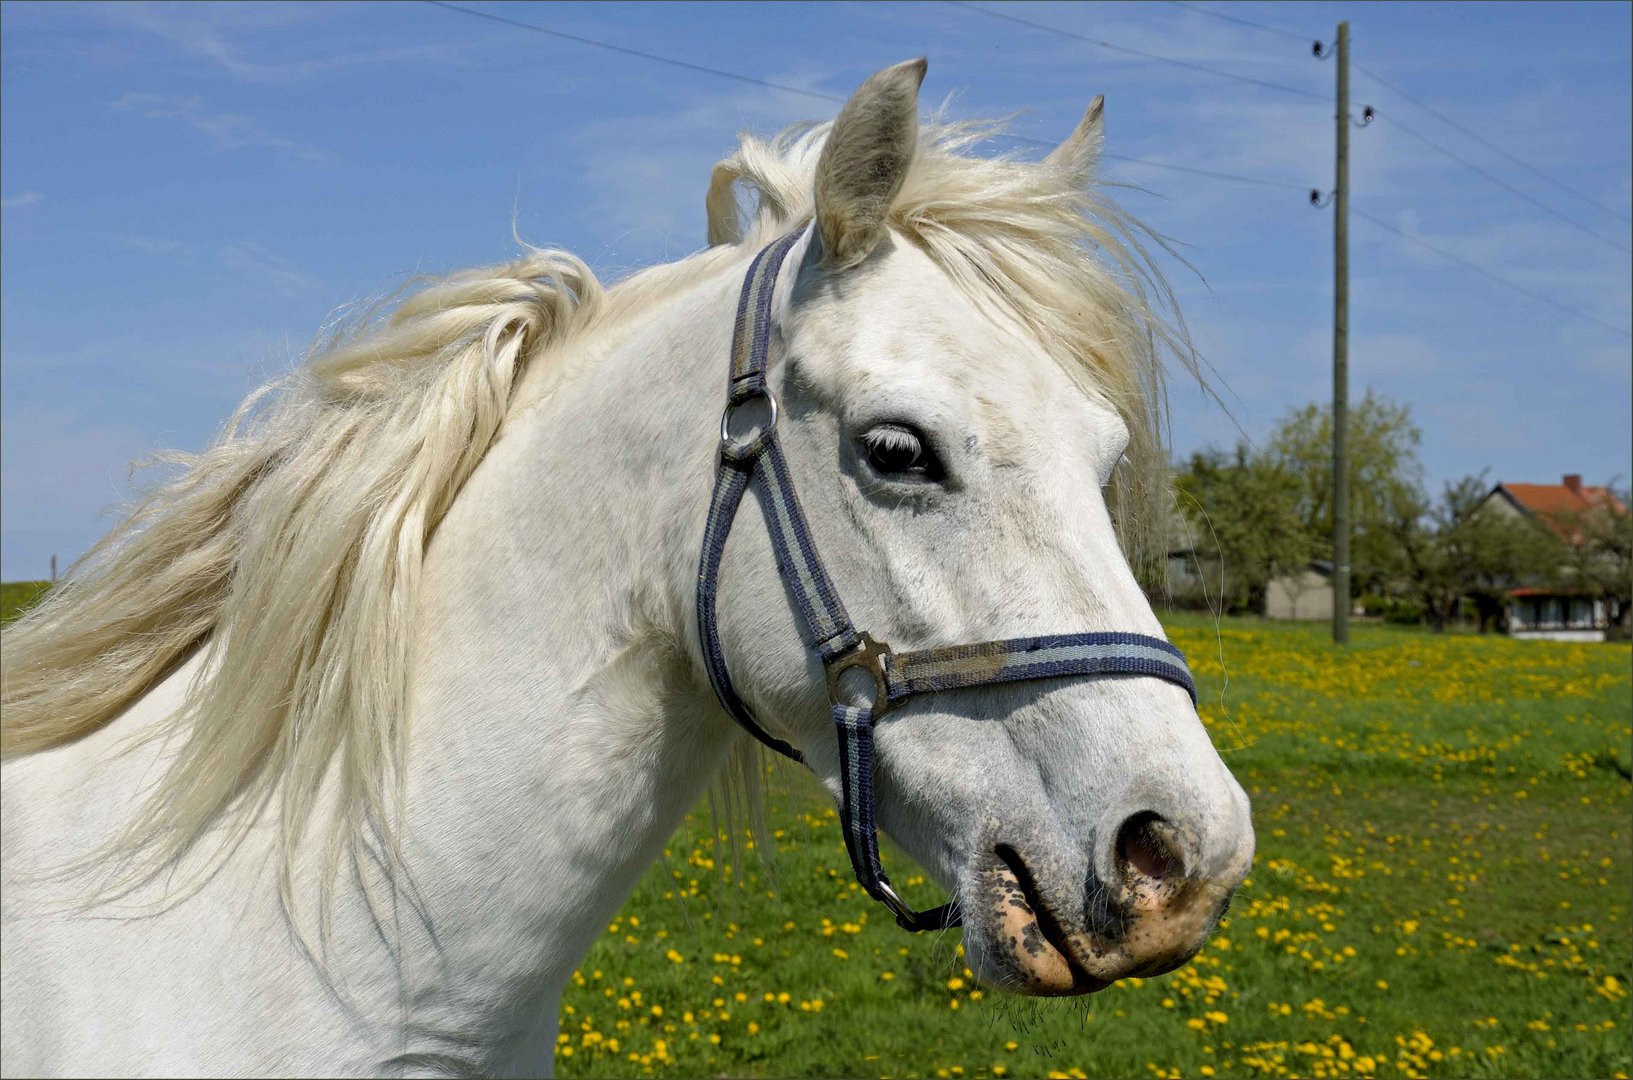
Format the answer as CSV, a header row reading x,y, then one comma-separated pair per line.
x,y
760,458
757,458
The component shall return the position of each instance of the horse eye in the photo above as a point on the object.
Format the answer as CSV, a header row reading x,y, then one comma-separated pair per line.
x,y
901,452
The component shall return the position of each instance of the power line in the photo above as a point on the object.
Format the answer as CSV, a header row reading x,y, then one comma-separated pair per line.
x,y
1215,174
1488,144
1436,113
1294,35
625,50
1498,278
1154,57
1261,181
738,77
1505,185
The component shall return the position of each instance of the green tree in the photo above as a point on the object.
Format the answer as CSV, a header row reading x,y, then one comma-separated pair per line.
x,y
1244,508
1385,480
1457,546
1427,568
1600,556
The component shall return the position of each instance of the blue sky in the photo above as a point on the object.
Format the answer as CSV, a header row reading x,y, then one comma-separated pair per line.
x,y
190,192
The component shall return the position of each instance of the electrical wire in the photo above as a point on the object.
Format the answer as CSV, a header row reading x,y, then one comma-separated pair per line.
x,y
1431,110
1478,269
1278,31
1154,57
1505,185
1487,143
753,81
1212,173
625,50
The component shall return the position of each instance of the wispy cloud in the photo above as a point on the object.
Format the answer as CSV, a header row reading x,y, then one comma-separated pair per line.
x,y
226,131
151,245
206,31
646,174
246,256
22,198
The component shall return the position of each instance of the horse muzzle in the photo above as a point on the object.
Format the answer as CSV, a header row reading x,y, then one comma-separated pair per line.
x,y
1036,926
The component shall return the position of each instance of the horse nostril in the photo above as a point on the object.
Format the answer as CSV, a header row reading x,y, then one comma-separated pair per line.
x,y
1147,846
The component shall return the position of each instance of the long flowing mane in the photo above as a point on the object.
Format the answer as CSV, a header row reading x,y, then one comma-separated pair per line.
x,y
291,549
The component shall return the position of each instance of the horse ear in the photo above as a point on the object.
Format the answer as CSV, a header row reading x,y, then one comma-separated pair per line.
x,y
720,206
1081,149
865,161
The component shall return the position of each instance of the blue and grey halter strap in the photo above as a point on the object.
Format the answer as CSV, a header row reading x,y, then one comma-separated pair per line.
x,y
758,458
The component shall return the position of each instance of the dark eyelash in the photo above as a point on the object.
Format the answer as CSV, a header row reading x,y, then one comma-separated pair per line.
x,y
891,437
902,453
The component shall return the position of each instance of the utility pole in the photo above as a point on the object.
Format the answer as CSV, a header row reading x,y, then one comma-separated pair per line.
x,y
1340,354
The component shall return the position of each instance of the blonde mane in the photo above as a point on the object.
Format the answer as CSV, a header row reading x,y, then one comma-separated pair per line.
x,y
291,549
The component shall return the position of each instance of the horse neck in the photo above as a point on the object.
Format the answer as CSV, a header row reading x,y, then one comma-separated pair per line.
x,y
559,728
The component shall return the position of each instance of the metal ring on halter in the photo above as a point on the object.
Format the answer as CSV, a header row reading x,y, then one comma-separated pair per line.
x,y
896,904
870,656
735,447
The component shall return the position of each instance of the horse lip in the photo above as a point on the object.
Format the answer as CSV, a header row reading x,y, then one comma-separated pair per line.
x,y
1048,925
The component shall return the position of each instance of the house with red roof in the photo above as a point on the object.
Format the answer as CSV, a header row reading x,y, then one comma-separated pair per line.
x,y
1555,612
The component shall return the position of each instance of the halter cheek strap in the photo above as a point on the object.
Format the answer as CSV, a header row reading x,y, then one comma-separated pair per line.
x,y
758,458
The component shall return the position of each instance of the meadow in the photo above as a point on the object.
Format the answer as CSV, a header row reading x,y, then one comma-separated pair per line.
x,y
1441,888
16,596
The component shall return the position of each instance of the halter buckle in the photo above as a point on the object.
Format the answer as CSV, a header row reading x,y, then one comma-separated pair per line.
x,y
870,656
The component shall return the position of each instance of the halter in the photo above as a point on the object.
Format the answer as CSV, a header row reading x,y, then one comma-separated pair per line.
x,y
758,458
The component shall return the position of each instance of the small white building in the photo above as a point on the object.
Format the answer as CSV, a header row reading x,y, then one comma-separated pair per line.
x,y
1302,595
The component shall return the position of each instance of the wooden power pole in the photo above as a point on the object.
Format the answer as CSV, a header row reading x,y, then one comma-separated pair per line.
x,y
1340,355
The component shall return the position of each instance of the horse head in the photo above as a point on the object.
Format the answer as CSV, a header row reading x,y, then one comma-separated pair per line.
x,y
952,408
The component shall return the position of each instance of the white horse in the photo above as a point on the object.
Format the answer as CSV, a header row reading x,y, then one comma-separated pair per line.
x,y
338,753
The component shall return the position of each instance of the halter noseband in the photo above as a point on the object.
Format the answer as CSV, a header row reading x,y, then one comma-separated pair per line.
x,y
758,457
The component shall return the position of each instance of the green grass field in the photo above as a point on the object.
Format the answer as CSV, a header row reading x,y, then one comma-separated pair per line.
x,y
16,596
1441,888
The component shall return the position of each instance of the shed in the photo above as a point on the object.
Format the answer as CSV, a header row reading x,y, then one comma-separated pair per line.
x,y
1304,594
